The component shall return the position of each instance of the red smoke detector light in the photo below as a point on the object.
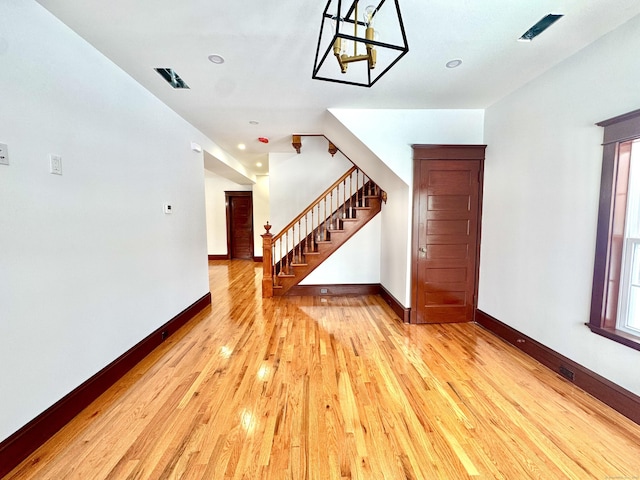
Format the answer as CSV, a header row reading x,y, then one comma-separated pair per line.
x,y
263,139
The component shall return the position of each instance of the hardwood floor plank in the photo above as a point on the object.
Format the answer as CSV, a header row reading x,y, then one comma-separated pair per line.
x,y
335,388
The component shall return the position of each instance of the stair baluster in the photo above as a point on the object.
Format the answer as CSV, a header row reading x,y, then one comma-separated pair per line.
x,y
350,195
325,219
344,197
318,237
306,231
299,242
331,210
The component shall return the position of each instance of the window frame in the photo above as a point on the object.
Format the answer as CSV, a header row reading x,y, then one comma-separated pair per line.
x,y
613,200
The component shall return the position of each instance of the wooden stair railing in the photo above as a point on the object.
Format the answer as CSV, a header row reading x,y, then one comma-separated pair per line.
x,y
340,211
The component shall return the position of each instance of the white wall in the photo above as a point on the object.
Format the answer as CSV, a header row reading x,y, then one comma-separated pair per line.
x,y
542,181
261,211
380,142
89,263
216,210
389,134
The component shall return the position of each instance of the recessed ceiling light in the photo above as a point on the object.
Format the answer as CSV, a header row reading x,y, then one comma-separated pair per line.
x,y
215,58
259,164
253,122
241,146
454,63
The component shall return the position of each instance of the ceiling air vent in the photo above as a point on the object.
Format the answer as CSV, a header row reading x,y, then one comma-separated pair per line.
x,y
171,77
540,27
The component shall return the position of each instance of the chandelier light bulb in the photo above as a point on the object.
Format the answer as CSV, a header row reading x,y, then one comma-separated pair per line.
x,y
339,45
368,15
346,45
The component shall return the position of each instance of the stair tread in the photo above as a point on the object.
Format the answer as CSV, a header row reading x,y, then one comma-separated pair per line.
x,y
285,275
312,253
298,265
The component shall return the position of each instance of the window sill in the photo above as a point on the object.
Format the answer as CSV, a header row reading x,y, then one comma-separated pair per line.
x,y
619,336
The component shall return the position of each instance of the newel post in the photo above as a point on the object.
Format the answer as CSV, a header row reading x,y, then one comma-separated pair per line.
x,y
267,262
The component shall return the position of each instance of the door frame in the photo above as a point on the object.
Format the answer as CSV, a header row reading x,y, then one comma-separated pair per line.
x,y
426,152
228,194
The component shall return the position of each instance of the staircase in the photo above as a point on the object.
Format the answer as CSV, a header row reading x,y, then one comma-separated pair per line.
x,y
309,239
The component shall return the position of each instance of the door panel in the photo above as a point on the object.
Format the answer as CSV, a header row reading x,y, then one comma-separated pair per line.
x,y
449,297
448,202
447,252
446,237
447,227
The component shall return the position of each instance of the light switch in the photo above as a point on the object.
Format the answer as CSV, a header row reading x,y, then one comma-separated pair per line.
x,y
167,208
4,154
56,164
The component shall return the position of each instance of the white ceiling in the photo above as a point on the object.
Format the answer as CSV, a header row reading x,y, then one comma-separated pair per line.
x,y
269,47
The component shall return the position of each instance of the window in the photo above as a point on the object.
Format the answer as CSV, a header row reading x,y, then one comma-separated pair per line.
x,y
629,304
615,302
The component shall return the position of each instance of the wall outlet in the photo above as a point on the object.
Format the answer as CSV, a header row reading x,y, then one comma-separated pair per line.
x,y
55,162
4,154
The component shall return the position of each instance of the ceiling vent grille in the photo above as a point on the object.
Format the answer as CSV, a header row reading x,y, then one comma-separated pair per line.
x,y
540,27
171,77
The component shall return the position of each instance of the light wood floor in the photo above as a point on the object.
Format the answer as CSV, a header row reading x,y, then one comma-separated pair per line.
x,y
335,388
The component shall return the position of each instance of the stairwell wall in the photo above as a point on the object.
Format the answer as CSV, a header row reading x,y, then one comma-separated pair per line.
x,y
261,211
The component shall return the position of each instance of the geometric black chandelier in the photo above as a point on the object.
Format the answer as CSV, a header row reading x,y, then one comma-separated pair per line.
x,y
359,42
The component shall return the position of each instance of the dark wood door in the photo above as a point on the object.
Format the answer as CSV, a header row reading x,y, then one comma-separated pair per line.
x,y
446,237
240,224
